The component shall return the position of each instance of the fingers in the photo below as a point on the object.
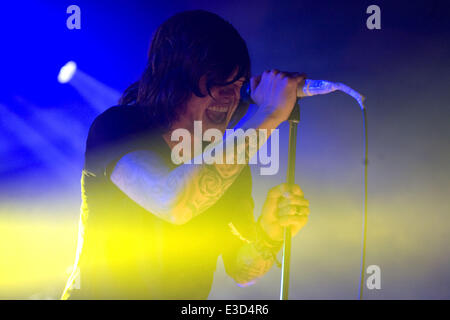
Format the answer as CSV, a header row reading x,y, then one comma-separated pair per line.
x,y
284,74
285,206
298,75
293,201
273,72
280,74
275,91
294,222
293,211
254,81
294,189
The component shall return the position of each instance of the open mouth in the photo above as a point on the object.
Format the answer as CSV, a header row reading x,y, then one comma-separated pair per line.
x,y
217,114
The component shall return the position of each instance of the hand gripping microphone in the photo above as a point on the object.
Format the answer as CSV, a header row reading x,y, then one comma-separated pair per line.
x,y
308,88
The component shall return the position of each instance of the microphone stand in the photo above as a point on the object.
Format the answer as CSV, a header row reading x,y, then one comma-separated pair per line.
x,y
294,119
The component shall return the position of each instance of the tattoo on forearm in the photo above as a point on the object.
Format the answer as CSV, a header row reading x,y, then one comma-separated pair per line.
x,y
184,192
202,185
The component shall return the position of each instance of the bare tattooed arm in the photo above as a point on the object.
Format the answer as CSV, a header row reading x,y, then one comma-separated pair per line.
x,y
179,195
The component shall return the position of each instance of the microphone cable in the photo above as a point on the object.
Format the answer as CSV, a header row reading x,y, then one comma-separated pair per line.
x,y
364,223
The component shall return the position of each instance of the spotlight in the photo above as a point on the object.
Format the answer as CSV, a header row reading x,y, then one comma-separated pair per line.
x,y
67,71
96,93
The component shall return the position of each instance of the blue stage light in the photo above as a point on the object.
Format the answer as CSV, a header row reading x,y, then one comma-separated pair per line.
x,y
67,71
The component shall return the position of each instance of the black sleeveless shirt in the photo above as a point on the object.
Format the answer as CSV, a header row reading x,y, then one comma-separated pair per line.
x,y
126,252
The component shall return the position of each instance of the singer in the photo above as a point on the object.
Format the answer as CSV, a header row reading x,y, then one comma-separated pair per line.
x,y
152,229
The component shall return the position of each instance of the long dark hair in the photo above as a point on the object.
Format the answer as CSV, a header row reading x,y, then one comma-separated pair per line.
x,y
185,47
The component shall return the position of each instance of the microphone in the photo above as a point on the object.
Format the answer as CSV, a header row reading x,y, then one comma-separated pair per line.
x,y
308,88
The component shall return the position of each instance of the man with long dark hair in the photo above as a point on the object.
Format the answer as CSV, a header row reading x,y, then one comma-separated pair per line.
x,y
153,229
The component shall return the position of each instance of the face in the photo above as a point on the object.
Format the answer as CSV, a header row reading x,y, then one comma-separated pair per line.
x,y
214,111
